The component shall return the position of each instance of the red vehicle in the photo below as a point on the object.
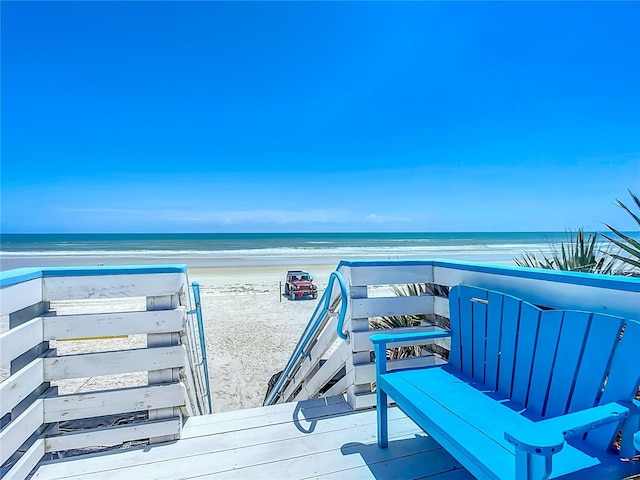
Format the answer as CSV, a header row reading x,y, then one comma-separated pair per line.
x,y
299,284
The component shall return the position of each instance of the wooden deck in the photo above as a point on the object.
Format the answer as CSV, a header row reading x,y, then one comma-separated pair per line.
x,y
321,438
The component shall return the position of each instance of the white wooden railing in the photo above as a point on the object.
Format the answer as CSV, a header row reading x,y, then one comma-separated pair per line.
x,y
350,362
162,377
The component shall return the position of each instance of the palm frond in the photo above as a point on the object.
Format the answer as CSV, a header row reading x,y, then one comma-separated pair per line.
x,y
400,321
578,254
625,242
637,202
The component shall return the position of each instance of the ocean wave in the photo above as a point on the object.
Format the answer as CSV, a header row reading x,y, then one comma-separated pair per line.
x,y
351,251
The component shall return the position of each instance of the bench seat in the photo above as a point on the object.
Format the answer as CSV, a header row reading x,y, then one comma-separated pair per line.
x,y
464,417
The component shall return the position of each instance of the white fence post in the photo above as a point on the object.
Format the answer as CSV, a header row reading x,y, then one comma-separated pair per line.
x,y
170,375
357,357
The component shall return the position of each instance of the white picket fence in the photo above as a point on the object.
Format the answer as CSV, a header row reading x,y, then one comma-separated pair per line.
x,y
170,359
327,358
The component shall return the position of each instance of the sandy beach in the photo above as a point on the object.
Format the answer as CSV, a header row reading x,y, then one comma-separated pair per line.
x,y
250,329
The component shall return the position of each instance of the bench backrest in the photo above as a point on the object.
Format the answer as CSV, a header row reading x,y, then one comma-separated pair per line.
x,y
550,362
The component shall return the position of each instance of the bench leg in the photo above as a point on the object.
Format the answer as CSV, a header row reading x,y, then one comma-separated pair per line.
x,y
530,466
630,426
383,433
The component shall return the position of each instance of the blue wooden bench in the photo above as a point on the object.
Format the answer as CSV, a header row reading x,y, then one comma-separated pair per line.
x,y
527,394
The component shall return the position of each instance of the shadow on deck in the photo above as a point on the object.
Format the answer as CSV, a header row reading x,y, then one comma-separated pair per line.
x,y
315,438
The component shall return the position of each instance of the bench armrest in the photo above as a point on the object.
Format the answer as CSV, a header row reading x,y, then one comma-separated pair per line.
x,y
380,341
384,338
547,437
631,432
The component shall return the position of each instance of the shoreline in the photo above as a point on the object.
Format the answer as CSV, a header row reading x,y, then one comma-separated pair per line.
x,y
34,261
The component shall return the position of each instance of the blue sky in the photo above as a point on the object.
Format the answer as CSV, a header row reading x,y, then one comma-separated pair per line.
x,y
312,116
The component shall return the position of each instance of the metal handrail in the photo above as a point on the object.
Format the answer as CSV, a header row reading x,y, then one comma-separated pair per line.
x,y
343,307
312,327
203,347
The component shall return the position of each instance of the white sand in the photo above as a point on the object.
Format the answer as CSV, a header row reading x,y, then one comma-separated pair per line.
x,y
250,329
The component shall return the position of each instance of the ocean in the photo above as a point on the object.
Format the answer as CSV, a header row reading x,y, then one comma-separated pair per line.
x,y
229,249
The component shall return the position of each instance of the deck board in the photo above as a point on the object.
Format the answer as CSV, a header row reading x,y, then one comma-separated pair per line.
x,y
317,438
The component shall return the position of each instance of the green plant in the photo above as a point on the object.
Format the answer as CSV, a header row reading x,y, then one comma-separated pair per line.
x,y
400,321
628,244
578,254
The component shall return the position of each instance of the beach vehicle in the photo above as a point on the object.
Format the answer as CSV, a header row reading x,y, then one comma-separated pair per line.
x,y
299,284
320,418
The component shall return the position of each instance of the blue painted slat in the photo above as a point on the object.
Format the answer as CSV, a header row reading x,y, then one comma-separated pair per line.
x,y
527,334
19,275
510,322
544,358
494,327
479,324
624,373
454,322
622,383
572,340
466,329
614,282
602,336
112,270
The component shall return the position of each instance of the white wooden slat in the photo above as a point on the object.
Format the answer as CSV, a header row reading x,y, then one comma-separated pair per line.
x,y
192,406
420,464
545,292
112,286
304,458
300,376
354,326
441,306
111,363
303,413
338,388
302,447
313,384
361,340
324,341
345,271
391,275
385,306
19,296
364,401
290,387
94,404
27,461
110,436
16,341
20,429
259,417
366,372
113,324
211,453
19,385
409,457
